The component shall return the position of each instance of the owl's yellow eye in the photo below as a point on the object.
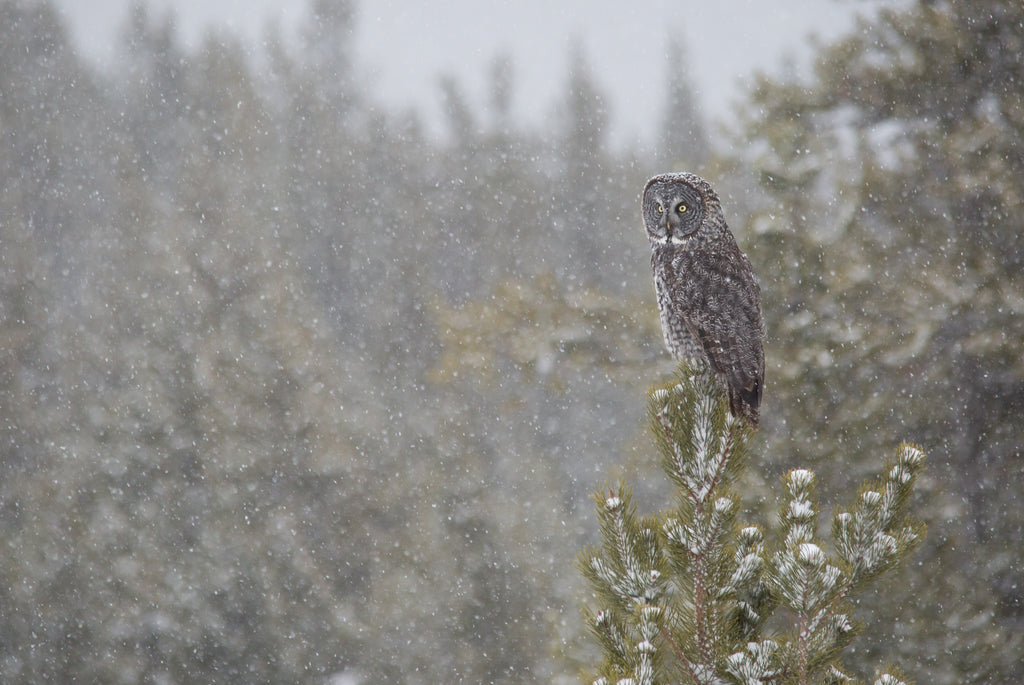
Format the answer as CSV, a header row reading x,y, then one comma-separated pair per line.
x,y
659,209
681,208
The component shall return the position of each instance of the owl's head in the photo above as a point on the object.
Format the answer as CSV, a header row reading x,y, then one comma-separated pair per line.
x,y
675,205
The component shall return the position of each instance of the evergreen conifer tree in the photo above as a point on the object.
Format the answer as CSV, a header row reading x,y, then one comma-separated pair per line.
x,y
689,595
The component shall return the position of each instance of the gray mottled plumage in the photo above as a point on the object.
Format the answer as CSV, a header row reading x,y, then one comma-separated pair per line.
x,y
708,295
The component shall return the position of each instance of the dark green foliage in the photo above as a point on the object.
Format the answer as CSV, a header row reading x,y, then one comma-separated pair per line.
x,y
889,251
686,596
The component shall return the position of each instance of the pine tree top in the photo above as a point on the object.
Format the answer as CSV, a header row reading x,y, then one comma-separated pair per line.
x,y
685,595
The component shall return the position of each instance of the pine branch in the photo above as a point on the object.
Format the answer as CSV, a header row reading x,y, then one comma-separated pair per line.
x,y
684,596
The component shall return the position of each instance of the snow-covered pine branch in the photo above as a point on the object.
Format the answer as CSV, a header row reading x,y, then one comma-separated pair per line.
x,y
684,596
876,533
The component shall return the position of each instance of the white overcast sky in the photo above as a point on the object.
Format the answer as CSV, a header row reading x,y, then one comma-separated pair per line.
x,y
402,46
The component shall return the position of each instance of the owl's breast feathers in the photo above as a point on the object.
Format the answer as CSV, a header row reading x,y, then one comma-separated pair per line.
x,y
719,300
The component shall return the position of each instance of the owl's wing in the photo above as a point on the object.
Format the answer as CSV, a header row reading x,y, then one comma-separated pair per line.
x,y
723,312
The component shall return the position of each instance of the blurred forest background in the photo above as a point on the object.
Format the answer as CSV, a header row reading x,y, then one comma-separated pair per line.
x,y
292,391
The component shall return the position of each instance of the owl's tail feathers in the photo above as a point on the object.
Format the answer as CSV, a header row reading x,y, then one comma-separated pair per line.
x,y
745,402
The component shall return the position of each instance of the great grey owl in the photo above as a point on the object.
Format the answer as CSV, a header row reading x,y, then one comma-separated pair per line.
x,y
709,298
